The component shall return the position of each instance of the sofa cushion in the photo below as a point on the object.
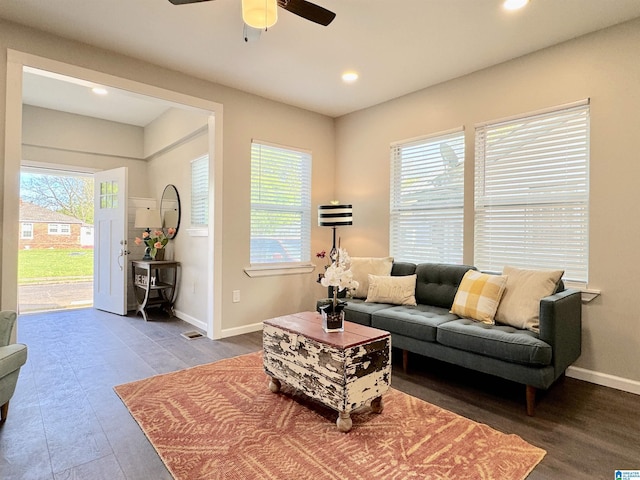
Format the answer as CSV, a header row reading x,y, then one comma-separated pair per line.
x,y
358,311
400,269
419,322
498,341
478,296
520,305
362,267
394,290
437,283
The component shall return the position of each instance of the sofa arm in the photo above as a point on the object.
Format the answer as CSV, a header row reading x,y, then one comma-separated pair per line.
x,y
561,327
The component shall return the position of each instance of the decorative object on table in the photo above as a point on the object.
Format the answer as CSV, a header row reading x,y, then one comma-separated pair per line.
x,y
338,275
334,215
341,294
154,244
220,436
147,218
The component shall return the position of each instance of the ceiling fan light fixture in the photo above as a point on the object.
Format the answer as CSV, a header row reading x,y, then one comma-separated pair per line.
x,y
260,14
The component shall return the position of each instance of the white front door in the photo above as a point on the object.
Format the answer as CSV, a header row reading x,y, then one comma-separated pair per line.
x,y
110,241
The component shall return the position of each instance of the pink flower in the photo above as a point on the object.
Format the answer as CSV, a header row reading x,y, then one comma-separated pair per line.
x,y
158,233
171,231
157,245
145,234
138,241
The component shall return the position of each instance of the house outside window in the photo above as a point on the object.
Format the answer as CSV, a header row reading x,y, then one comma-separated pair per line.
x,y
427,199
26,231
532,193
59,229
280,204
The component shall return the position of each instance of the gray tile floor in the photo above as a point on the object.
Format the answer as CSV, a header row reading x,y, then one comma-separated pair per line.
x,y
66,422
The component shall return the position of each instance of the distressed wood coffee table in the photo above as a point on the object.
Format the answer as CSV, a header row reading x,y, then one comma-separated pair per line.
x,y
342,370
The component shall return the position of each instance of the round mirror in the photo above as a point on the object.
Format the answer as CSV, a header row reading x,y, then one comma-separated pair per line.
x,y
170,211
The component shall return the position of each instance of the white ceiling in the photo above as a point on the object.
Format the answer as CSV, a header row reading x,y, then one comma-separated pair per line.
x,y
397,46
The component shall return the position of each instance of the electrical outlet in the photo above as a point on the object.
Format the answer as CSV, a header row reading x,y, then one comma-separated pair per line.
x,y
236,296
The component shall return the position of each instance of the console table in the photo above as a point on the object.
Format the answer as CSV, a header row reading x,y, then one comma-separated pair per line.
x,y
343,370
154,284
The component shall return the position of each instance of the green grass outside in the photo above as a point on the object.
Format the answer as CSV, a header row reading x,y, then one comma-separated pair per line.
x,y
34,265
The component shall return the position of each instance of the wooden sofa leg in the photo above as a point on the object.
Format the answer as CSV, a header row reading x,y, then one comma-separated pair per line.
x,y
531,400
4,410
405,360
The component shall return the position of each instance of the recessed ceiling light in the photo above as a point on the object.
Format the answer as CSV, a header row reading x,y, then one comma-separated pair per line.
x,y
514,4
99,90
349,77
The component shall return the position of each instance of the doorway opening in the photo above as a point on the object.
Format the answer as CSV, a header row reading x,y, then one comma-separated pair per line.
x,y
55,247
18,150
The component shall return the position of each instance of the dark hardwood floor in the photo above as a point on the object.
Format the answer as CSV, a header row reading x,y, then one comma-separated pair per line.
x,y
66,422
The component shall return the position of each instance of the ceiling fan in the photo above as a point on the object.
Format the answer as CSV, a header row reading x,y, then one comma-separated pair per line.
x,y
302,8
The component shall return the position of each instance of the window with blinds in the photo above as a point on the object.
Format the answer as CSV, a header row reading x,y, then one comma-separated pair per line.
x,y
280,204
427,199
200,191
532,193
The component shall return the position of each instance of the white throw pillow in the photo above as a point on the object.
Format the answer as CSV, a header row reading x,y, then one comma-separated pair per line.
x,y
362,267
393,290
520,304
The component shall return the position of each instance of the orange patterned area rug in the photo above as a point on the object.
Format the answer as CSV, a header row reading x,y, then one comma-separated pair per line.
x,y
221,421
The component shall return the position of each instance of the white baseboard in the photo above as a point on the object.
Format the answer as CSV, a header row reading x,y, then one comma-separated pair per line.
x,y
232,332
604,379
193,321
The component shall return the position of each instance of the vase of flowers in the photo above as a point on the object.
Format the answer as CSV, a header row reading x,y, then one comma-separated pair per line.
x,y
155,243
339,276
341,294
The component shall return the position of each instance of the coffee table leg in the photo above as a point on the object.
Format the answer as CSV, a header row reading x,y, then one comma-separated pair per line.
x,y
274,385
344,422
377,405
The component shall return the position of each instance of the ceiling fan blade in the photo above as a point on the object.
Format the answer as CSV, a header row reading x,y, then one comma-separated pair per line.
x,y
308,10
185,2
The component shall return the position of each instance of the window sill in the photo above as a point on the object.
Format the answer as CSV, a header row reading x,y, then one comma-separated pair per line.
x,y
273,269
198,232
588,294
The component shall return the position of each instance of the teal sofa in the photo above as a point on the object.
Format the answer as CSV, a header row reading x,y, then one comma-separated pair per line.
x,y
536,360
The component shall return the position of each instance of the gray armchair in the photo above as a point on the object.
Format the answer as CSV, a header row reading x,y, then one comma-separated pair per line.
x,y
12,357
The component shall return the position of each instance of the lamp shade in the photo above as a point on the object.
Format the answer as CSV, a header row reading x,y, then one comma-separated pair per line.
x,y
147,218
260,14
335,215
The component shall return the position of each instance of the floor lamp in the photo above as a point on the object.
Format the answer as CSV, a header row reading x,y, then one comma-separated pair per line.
x,y
334,215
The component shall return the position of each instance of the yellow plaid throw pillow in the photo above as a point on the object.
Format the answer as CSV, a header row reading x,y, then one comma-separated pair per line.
x,y
478,296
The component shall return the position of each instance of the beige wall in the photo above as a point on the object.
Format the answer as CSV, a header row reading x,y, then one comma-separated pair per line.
x,y
603,67
54,137
245,117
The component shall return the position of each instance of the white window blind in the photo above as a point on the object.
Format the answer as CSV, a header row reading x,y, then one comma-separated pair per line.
x,y
200,191
280,204
427,197
532,193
